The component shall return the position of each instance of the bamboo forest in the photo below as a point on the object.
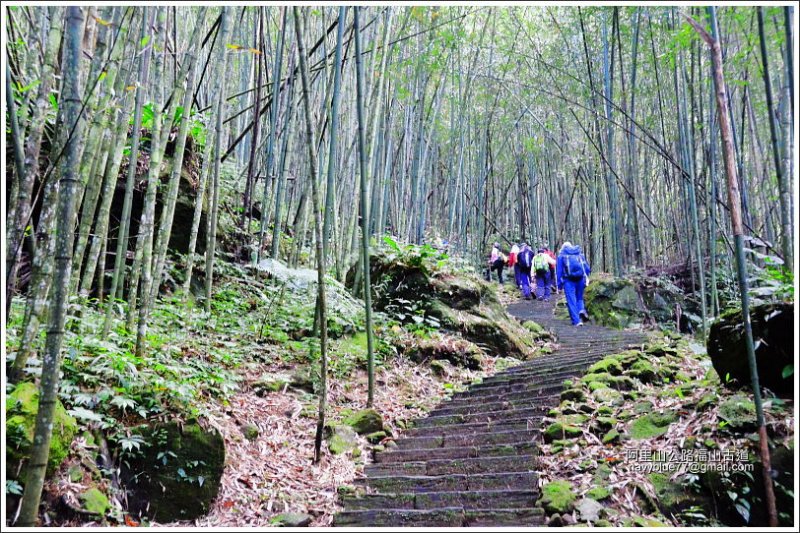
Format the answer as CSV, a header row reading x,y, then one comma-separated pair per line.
x,y
400,265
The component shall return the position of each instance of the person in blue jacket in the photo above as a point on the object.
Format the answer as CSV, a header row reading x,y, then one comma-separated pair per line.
x,y
572,274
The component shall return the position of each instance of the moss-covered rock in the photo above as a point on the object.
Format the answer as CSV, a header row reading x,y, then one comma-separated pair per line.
x,y
375,438
728,350
650,425
557,497
22,405
538,332
446,348
560,431
598,493
672,497
94,501
644,371
303,378
270,384
342,440
642,521
251,432
178,473
291,520
608,396
604,423
461,303
637,299
365,421
608,365
738,414
611,437
576,395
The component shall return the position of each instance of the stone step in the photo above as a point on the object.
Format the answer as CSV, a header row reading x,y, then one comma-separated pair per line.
x,y
505,424
441,467
525,447
482,499
523,380
467,439
449,419
513,386
444,517
453,482
527,393
477,406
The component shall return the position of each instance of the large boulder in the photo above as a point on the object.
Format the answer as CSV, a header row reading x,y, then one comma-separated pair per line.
x,y
177,475
772,326
635,300
408,289
22,405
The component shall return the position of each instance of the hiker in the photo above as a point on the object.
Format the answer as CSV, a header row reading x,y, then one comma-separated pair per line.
x,y
542,263
497,260
552,255
525,261
513,262
572,273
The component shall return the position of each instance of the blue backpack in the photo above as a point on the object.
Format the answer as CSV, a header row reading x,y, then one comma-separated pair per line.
x,y
526,257
574,266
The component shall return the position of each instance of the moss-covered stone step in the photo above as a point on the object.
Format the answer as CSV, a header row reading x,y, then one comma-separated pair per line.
x,y
452,482
483,499
467,439
441,467
446,419
446,517
504,424
457,452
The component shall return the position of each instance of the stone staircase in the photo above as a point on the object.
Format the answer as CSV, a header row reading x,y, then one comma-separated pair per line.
x,y
473,460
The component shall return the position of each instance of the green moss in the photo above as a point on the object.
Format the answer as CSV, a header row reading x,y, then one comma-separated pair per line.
x,y
576,419
611,437
641,521
672,497
557,497
599,494
557,430
608,396
22,405
186,483
608,364
573,394
251,432
291,520
95,502
644,371
365,421
374,438
738,413
605,422
342,440
650,425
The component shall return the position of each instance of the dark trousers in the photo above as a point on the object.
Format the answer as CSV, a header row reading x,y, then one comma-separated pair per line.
x,y
498,266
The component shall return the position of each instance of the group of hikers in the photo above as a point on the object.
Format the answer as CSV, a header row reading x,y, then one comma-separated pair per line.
x,y
569,271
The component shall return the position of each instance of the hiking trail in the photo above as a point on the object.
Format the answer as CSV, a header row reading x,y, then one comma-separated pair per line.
x,y
473,460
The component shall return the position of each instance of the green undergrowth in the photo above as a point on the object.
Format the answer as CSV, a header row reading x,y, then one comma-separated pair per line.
x,y
613,422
